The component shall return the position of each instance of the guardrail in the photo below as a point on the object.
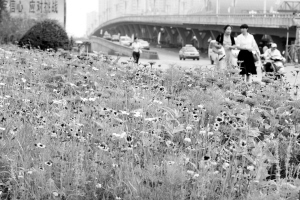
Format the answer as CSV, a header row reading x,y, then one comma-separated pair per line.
x,y
255,20
100,44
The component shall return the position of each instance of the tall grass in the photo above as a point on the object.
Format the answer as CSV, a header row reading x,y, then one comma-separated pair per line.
x,y
80,129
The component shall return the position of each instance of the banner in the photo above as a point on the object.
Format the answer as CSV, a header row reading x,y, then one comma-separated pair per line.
x,y
38,9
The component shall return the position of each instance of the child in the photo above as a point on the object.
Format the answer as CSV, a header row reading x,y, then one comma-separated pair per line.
x,y
218,49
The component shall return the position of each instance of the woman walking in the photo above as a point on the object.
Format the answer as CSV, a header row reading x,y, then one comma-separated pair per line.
x,y
227,41
248,50
136,50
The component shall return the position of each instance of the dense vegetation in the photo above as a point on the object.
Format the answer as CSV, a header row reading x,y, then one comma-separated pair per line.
x,y
85,129
12,29
45,35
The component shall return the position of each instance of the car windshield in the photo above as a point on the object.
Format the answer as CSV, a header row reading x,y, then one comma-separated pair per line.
x,y
190,50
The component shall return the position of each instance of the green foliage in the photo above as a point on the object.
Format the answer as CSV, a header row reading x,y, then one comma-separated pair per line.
x,y
1,8
12,29
44,35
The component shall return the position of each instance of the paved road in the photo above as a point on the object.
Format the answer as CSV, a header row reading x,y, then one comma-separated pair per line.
x,y
170,56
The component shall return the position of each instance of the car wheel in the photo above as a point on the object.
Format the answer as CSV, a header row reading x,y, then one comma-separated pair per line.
x,y
193,58
183,58
198,58
180,58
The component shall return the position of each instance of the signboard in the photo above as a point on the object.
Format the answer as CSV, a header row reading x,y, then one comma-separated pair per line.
x,y
38,9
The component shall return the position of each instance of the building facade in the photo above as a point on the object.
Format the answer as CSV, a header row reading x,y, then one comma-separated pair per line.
x,y
92,21
42,9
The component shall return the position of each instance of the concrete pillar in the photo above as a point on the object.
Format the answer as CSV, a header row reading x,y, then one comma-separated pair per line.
x,y
151,32
137,31
144,32
297,22
213,35
127,30
297,42
171,35
205,36
189,36
164,35
122,30
109,31
175,36
132,31
196,33
113,31
182,33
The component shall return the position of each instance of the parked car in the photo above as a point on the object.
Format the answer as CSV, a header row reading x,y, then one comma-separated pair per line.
x,y
107,37
125,41
189,52
115,38
144,44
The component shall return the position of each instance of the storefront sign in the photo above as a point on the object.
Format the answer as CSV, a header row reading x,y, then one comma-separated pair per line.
x,y
37,9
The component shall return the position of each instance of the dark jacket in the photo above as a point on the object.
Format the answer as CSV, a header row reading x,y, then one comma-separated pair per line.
x,y
220,39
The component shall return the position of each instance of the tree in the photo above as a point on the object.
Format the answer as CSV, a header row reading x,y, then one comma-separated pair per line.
x,y
2,8
12,29
45,35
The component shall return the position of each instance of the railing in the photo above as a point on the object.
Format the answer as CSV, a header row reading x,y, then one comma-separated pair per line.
x,y
100,44
258,20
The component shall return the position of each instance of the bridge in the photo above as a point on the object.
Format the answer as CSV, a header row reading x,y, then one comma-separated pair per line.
x,y
182,29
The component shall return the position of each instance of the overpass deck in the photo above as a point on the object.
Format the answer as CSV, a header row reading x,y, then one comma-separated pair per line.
x,y
255,20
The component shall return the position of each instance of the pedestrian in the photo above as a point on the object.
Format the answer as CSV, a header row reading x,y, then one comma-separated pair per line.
x,y
271,55
137,50
219,51
227,41
249,53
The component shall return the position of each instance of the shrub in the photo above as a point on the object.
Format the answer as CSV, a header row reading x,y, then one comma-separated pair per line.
x,y
45,35
12,29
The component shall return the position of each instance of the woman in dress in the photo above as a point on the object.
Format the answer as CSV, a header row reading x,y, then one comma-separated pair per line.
x,y
227,41
247,45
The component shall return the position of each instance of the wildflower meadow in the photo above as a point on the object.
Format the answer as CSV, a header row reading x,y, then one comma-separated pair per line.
x,y
92,129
